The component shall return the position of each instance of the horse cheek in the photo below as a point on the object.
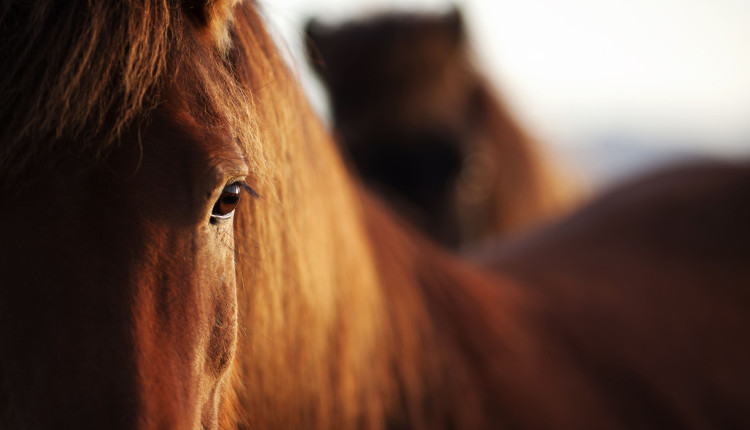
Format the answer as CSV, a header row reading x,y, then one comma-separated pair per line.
x,y
223,308
217,291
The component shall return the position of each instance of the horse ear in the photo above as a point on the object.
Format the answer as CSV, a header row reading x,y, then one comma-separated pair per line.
x,y
454,22
214,15
315,42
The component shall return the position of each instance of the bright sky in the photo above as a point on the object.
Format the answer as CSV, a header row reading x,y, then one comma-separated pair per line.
x,y
672,73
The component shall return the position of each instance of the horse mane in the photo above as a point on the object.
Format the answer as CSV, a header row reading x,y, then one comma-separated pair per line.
x,y
345,321
309,353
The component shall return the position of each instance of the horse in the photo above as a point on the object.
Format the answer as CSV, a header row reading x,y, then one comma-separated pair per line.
x,y
199,257
425,130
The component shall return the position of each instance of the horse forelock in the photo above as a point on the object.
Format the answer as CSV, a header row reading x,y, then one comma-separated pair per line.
x,y
83,73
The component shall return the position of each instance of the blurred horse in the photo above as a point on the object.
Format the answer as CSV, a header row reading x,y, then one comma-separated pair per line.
x,y
182,247
425,130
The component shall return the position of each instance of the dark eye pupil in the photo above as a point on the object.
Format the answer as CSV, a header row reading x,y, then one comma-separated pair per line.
x,y
230,200
227,202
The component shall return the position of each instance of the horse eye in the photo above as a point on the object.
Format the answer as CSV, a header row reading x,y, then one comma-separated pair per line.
x,y
227,203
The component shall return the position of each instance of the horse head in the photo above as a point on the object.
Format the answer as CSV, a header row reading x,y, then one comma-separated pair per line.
x,y
426,130
118,306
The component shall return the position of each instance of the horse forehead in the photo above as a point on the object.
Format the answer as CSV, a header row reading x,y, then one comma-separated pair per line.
x,y
214,151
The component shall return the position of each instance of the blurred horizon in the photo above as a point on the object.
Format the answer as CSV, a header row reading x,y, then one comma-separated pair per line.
x,y
609,88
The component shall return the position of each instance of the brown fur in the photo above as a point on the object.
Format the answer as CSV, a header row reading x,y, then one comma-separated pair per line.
x,y
404,86
124,306
647,291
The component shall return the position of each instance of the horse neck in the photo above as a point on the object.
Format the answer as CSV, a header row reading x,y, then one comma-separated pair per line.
x,y
352,321
346,319
528,187
456,333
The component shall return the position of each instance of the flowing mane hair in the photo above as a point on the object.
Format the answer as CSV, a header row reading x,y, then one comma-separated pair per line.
x,y
336,333
85,73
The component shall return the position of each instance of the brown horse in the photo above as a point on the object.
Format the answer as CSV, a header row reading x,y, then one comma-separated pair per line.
x,y
425,130
149,287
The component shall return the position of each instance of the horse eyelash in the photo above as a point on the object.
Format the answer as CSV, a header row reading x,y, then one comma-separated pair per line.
x,y
248,189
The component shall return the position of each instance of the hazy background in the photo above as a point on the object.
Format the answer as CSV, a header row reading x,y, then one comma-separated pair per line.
x,y
609,87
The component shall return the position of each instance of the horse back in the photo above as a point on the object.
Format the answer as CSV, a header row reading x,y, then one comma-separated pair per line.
x,y
646,294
